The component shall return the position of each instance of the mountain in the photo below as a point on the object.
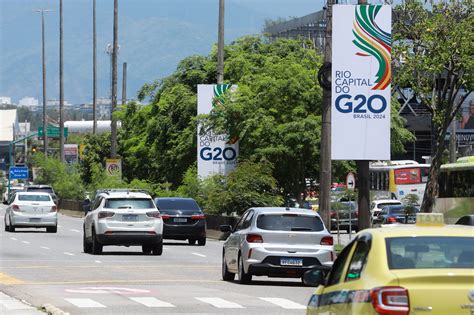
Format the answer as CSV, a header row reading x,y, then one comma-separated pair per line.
x,y
154,35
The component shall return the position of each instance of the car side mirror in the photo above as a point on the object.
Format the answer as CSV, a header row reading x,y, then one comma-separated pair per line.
x,y
315,277
225,228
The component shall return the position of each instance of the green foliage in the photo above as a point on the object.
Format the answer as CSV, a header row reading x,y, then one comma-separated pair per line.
x,y
65,179
411,200
97,149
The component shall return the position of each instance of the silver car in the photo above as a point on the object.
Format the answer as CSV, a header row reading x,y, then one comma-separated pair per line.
x,y
123,217
31,209
275,242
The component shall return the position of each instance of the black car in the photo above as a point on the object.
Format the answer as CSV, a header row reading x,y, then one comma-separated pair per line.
x,y
397,214
344,212
183,219
466,220
43,188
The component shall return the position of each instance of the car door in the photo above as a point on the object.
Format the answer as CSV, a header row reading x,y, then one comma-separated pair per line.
x,y
89,218
232,244
381,216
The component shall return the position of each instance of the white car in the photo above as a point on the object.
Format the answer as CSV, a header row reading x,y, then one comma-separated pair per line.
x,y
275,242
13,190
31,209
123,217
377,205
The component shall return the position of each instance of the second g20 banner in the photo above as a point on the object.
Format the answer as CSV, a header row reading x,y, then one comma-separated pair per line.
x,y
361,76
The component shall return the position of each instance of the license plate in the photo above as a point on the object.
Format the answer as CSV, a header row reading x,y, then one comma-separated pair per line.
x,y
180,220
291,261
35,219
130,217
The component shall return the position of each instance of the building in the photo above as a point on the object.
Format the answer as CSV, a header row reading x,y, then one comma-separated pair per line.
x,y
8,130
5,100
28,102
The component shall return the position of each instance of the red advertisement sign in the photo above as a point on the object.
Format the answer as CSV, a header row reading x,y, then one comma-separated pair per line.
x,y
407,176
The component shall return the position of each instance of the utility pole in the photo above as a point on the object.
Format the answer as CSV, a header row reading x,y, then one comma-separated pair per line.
x,y
61,85
452,143
94,70
113,145
124,84
220,45
363,178
43,56
325,162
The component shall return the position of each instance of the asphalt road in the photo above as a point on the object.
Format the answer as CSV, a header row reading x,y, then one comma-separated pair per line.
x,y
41,268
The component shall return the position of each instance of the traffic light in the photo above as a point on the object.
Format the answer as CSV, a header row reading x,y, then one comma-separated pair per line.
x,y
33,149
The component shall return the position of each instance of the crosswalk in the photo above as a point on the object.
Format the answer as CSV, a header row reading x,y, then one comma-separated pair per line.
x,y
211,302
12,306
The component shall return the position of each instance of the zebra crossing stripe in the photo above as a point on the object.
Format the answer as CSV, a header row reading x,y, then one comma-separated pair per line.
x,y
85,303
284,303
151,302
12,304
219,303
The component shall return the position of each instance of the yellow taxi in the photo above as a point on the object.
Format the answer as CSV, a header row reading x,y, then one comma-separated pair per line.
x,y
427,268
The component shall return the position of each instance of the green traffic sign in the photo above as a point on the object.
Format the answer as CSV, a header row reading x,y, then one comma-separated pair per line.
x,y
52,132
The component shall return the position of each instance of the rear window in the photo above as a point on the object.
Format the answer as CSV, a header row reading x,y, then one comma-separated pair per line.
x,y
37,189
289,222
129,203
177,204
426,252
34,198
381,205
402,210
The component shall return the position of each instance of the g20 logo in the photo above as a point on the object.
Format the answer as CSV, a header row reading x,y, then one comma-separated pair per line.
x,y
375,104
217,154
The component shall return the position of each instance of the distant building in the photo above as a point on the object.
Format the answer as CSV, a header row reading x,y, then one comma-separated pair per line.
x,y
54,102
28,102
5,100
8,131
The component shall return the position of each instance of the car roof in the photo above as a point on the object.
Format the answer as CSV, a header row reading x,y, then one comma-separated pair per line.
x,y
38,186
35,193
173,198
124,194
262,210
417,230
387,201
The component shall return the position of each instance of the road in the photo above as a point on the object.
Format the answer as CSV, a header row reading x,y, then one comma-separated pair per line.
x,y
41,268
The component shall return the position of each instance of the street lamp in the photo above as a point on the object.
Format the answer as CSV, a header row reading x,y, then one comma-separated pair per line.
x,y
45,123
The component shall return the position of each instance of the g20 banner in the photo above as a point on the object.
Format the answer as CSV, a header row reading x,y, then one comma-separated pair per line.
x,y
217,153
361,76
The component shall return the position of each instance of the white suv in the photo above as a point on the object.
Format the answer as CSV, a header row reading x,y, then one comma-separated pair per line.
x,y
123,217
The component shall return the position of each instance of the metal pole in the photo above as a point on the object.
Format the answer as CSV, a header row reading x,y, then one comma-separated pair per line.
x,y
113,146
61,85
325,162
220,45
94,70
452,143
124,84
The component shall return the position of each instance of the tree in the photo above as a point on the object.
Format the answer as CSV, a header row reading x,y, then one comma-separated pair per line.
x,y
433,49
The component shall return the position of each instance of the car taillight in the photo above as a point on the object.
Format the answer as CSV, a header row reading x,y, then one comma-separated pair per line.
x,y
327,240
53,209
254,238
165,216
198,217
391,220
333,214
153,214
390,300
106,214
16,208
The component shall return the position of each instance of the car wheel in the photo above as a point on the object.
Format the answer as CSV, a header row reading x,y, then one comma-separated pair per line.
x,y
244,278
52,229
158,249
226,275
6,226
191,241
202,241
96,246
146,249
86,246
11,228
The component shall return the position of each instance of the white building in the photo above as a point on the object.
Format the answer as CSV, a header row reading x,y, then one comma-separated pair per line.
x,y
5,100
28,102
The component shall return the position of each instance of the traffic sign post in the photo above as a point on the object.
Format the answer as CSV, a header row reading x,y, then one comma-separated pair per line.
x,y
350,184
18,172
52,132
350,181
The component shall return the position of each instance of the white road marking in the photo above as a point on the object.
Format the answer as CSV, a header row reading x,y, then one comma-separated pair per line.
x,y
200,255
165,248
12,304
26,242
85,303
77,231
59,226
284,303
220,303
66,253
98,261
44,247
13,239
151,302
107,290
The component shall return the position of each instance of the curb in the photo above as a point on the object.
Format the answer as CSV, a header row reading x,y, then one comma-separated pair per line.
x,y
52,310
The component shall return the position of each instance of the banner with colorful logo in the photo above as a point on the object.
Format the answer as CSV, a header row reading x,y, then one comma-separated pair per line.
x,y
113,167
217,153
361,76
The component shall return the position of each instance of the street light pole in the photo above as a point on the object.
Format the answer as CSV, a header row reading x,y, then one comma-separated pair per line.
x,y
61,85
43,56
113,127
94,71
220,45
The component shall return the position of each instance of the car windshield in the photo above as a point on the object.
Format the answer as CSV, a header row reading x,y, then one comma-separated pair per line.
x,y
430,252
23,197
177,204
289,222
128,203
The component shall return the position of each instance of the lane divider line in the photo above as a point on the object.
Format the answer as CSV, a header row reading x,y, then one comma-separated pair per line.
x,y
284,303
26,242
13,239
85,303
73,230
98,261
151,302
70,254
219,303
200,255
44,247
